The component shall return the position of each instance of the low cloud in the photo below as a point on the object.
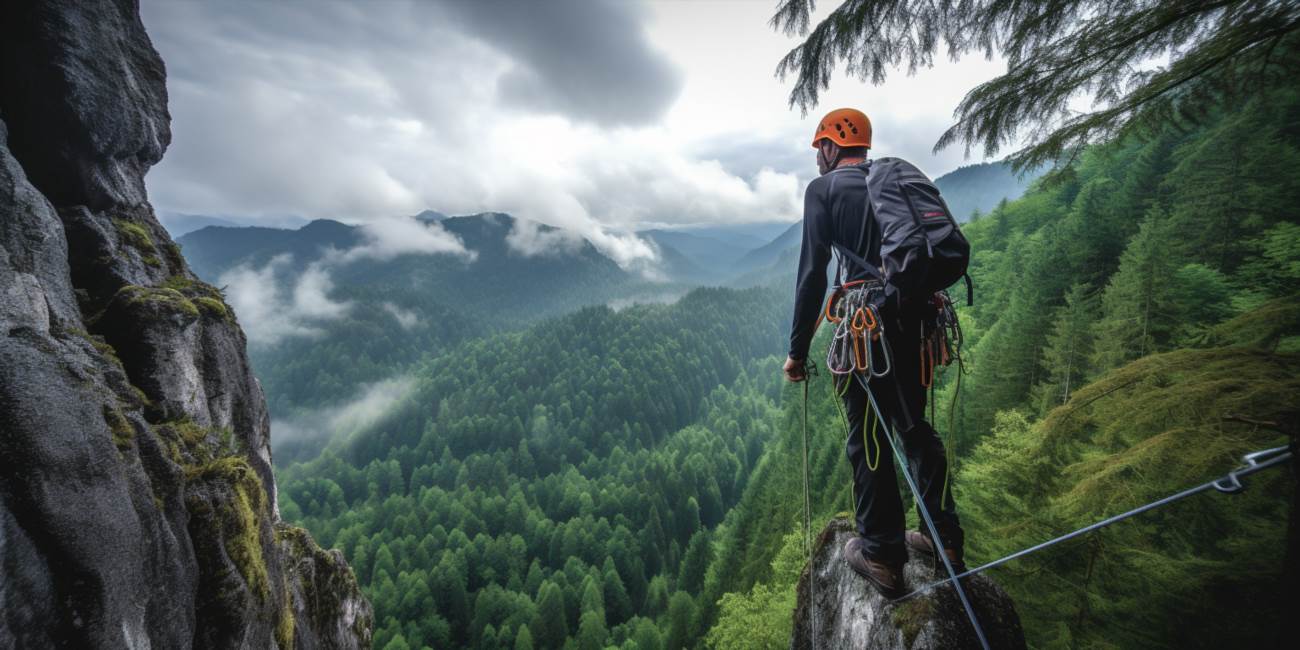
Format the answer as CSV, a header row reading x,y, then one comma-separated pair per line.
x,y
390,237
268,313
369,404
529,238
404,317
666,298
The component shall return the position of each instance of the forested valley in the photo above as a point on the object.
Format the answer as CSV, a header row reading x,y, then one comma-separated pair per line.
x,y
631,477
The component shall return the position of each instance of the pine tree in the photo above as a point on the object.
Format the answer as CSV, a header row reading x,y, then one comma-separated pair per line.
x,y
591,631
1134,304
524,640
1055,51
1065,359
550,626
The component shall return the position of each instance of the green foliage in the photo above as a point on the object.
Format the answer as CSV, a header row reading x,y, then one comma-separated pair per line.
x,y
1148,429
1055,51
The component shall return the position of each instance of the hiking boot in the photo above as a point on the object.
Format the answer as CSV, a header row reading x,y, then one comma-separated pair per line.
x,y
921,542
887,579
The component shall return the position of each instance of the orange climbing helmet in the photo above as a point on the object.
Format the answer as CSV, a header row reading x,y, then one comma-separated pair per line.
x,y
847,127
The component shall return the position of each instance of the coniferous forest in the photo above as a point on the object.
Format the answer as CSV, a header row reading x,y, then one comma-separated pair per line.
x,y
558,416
631,478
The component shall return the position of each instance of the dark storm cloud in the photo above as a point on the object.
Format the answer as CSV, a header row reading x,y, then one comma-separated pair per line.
x,y
587,59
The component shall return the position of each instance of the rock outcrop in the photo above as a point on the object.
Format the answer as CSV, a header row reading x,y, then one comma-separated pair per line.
x,y
849,613
137,504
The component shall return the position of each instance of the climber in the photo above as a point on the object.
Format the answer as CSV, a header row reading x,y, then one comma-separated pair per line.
x,y
837,218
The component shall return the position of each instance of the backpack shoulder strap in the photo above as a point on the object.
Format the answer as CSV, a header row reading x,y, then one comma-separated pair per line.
x,y
852,255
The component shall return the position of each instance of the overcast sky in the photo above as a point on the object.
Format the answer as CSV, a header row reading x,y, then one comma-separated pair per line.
x,y
598,116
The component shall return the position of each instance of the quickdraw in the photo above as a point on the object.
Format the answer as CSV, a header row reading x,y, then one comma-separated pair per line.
x,y
941,338
859,330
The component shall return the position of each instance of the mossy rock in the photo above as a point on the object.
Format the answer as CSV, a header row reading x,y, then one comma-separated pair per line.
x,y
158,299
285,623
123,432
208,298
239,517
911,617
134,235
213,307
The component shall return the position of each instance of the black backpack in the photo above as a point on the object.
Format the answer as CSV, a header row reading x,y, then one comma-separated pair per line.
x,y
897,189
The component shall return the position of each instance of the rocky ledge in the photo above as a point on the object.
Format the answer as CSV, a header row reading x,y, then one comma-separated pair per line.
x,y
849,613
137,502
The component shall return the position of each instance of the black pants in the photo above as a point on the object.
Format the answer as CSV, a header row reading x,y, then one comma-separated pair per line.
x,y
878,506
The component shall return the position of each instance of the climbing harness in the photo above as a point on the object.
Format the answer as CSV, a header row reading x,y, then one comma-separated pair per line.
x,y
1228,484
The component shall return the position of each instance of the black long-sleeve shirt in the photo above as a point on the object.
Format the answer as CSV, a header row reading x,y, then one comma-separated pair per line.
x,y
834,207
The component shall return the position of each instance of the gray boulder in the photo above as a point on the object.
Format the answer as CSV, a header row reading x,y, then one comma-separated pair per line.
x,y
850,613
137,504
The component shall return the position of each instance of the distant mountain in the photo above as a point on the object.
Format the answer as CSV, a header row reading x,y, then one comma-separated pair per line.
x,y
748,235
178,224
396,309
981,187
769,253
697,258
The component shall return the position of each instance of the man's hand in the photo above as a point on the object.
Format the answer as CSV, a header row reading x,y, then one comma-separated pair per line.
x,y
794,370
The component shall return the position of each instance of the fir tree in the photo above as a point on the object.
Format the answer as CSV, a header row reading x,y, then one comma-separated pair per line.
x,y
1055,51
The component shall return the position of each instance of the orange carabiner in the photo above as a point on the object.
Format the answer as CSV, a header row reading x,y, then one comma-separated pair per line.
x,y
830,305
861,362
864,320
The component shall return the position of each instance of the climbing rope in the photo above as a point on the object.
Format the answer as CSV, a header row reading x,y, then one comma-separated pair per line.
x,y
1228,484
809,370
858,329
895,445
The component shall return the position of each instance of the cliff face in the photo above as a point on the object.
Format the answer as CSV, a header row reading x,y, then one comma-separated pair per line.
x,y
849,613
137,504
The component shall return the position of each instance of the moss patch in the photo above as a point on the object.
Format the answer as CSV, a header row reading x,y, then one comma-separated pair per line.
x,y
160,298
123,432
213,308
208,298
911,617
134,235
284,627
241,518
173,252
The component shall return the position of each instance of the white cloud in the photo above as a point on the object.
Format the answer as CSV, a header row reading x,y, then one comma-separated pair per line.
x,y
369,404
362,113
267,314
404,317
388,237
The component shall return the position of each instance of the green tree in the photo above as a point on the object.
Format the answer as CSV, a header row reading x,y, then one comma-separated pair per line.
x,y
1065,359
1135,309
591,631
550,627
681,612
1055,51
524,640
